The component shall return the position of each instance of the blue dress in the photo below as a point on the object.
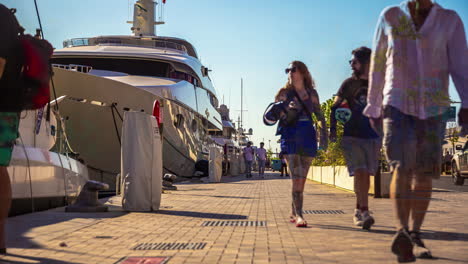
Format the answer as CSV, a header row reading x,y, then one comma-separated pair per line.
x,y
300,139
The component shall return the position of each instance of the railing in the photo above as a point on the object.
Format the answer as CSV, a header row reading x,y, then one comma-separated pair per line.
x,y
74,67
124,41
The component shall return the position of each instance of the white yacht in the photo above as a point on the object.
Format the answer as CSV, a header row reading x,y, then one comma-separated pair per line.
x,y
101,77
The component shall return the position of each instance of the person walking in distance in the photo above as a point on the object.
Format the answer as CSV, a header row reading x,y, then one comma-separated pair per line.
x,y
360,143
248,153
416,46
284,167
261,158
9,109
298,136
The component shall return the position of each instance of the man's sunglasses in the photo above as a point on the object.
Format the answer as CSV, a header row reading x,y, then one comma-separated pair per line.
x,y
292,69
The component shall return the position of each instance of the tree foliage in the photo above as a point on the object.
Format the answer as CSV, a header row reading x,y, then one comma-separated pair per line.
x,y
333,156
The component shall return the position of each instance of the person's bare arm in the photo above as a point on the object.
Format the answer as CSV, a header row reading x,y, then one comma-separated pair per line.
x,y
322,124
336,104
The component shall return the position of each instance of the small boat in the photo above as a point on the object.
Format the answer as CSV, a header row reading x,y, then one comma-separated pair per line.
x,y
43,175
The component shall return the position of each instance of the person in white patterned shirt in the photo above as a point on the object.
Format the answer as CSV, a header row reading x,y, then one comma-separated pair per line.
x,y
417,45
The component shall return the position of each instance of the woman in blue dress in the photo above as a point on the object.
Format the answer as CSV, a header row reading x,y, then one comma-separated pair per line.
x,y
298,134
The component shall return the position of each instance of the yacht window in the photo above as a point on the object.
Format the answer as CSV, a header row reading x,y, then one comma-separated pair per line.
x,y
184,76
125,65
194,125
179,121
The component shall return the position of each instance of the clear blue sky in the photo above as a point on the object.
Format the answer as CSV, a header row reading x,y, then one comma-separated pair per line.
x,y
252,39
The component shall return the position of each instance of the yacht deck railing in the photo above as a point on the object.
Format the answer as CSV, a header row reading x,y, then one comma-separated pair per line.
x,y
124,41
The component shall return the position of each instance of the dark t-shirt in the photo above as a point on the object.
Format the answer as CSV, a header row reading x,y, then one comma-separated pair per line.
x,y
354,91
9,46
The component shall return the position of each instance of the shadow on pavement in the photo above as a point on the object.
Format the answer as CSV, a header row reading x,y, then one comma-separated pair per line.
x,y
442,235
216,196
355,229
30,259
448,259
19,227
203,215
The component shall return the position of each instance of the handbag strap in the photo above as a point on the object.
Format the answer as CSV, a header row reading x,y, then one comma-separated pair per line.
x,y
302,103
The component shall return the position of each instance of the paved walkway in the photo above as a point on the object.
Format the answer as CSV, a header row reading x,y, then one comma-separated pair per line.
x,y
57,237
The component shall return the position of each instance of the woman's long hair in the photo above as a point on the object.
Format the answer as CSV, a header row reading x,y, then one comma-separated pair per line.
x,y
309,83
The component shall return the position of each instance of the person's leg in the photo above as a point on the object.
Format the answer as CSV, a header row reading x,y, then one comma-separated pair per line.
x,y
245,171
355,157
362,182
421,196
5,202
400,193
9,123
294,165
261,167
422,190
298,167
400,145
430,134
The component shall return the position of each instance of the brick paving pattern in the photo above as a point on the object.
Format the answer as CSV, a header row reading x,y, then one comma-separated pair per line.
x,y
57,237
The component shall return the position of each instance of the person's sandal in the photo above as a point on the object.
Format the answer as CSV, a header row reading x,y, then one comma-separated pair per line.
x,y
292,219
303,224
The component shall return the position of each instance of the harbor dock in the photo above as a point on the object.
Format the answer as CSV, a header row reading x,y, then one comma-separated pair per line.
x,y
237,221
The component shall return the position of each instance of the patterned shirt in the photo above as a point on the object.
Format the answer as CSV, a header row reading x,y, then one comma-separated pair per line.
x,y
410,69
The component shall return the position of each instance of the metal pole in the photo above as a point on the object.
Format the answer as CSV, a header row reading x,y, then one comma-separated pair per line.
x,y
377,182
242,109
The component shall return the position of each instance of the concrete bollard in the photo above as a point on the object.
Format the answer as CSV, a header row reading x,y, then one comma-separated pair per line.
x,y
88,201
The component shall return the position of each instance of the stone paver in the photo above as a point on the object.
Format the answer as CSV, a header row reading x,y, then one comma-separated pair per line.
x,y
57,237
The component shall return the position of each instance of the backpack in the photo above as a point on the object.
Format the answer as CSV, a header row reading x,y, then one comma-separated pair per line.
x,y
25,82
36,71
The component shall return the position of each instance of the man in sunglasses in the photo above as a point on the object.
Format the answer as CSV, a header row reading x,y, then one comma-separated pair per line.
x,y
360,143
416,46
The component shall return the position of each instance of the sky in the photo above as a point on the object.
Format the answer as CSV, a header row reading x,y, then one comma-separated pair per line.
x,y
250,39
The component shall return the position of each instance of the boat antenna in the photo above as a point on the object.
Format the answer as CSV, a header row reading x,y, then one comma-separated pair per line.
x,y
242,109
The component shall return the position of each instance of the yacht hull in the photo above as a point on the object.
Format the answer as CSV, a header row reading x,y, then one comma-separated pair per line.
x,y
93,109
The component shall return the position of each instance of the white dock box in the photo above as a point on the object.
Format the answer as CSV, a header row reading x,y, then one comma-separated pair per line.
x,y
141,162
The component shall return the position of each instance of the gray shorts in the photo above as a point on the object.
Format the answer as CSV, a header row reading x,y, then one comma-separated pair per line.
x,y
361,153
412,145
261,163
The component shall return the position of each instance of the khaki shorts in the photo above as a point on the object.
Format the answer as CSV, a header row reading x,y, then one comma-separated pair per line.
x,y
9,122
361,153
413,145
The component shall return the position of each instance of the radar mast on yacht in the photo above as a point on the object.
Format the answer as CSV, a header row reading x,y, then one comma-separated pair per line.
x,y
144,21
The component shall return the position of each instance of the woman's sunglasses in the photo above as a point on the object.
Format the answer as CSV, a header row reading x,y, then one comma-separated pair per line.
x,y
292,69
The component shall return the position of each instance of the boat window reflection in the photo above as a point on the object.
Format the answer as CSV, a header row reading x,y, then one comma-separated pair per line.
x,y
179,121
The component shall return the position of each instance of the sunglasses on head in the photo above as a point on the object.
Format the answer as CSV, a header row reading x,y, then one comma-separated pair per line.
x,y
292,69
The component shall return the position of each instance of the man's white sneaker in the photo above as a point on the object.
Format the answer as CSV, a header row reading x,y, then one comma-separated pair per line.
x,y
357,218
367,220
